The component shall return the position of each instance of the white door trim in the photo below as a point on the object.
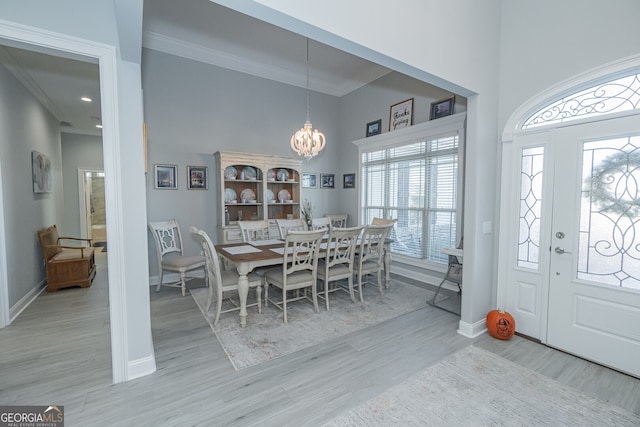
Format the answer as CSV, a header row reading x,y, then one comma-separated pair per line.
x,y
510,167
106,56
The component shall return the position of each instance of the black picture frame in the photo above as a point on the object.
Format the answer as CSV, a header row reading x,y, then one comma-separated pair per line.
x,y
197,178
166,177
374,128
442,108
401,115
349,180
327,180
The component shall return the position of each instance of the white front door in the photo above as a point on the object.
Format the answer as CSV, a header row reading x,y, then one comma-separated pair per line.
x,y
594,264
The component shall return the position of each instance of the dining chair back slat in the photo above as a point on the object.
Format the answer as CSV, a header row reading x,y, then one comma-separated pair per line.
x,y
299,269
221,281
170,255
254,230
338,263
370,253
285,225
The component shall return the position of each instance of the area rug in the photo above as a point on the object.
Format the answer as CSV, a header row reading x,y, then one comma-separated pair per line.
x,y
267,337
475,387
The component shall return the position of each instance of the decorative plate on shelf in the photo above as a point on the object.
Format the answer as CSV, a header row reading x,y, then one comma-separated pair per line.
x,y
271,175
230,196
249,173
283,174
248,196
230,173
284,195
270,196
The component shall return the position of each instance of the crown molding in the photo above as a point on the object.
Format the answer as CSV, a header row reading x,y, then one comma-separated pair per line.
x,y
196,52
28,82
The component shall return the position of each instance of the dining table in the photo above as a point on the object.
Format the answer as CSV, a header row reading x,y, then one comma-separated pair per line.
x,y
249,256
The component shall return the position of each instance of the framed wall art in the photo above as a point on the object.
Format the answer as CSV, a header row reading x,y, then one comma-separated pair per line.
x,y
327,180
374,128
309,180
198,178
349,180
41,172
401,115
442,108
166,177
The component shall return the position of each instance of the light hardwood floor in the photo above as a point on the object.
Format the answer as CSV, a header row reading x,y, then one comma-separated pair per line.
x,y
57,352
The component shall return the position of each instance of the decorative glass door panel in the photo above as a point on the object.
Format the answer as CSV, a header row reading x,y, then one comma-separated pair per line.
x,y
594,292
609,237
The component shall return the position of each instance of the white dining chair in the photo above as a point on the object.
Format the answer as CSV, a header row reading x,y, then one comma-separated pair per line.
x,y
299,269
169,250
254,230
323,223
222,281
370,254
338,220
284,225
339,261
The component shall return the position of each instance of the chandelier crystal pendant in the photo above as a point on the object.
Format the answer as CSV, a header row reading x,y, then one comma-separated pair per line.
x,y
308,142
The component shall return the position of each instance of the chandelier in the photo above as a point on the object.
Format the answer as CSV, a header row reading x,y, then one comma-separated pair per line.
x,y
307,141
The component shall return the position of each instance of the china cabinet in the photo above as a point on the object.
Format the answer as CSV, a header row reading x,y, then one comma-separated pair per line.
x,y
255,187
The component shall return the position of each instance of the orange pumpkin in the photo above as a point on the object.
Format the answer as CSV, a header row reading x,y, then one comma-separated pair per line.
x,y
501,324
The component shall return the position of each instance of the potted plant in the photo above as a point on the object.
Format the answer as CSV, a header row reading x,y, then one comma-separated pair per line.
x,y
306,212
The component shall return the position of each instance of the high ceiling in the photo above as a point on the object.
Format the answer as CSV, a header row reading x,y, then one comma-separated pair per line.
x,y
205,32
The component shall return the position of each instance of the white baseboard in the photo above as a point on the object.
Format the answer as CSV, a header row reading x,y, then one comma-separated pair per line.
x,y
141,367
26,300
472,330
421,275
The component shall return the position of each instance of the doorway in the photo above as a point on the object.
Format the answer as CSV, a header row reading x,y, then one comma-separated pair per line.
x,y
93,219
569,264
106,57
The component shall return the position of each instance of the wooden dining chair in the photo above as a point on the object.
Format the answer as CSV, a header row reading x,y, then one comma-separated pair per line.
x,y
370,254
169,250
339,261
285,225
299,269
222,281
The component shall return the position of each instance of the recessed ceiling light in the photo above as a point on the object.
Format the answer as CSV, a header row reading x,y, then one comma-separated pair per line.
x,y
86,99
99,126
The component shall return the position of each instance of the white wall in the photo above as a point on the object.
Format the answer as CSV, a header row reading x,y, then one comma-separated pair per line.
x,y
546,42
25,125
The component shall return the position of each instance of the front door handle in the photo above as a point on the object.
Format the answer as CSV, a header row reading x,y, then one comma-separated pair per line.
x,y
561,251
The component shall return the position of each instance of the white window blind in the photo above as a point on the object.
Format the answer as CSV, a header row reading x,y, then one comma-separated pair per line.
x,y
417,184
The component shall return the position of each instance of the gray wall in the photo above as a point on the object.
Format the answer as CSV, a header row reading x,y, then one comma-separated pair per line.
x,y
25,125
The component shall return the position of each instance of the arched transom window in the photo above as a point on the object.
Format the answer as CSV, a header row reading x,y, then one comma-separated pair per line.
x,y
614,96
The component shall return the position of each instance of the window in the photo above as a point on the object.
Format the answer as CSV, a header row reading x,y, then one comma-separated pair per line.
x,y
416,181
622,94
